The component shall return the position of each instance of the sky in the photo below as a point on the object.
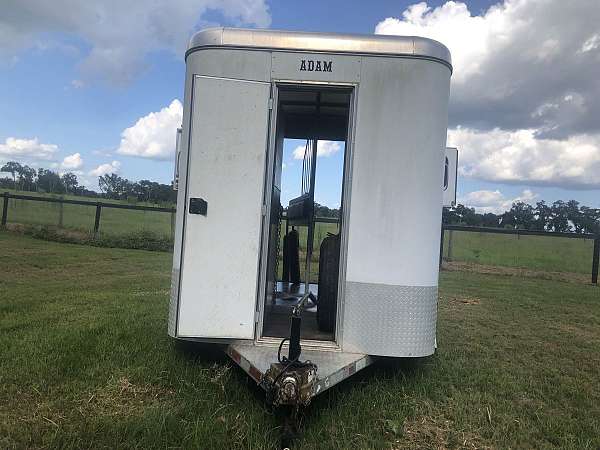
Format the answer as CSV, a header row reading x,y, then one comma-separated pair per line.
x,y
96,87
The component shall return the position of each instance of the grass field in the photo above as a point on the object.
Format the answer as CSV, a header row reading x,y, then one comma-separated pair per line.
x,y
532,252
85,362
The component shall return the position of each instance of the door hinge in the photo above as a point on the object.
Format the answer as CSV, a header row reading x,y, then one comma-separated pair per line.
x,y
263,210
271,103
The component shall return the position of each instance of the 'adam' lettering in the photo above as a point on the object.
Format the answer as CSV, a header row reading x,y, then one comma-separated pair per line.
x,y
315,66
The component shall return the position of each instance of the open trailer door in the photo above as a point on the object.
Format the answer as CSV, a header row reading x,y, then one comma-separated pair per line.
x,y
224,197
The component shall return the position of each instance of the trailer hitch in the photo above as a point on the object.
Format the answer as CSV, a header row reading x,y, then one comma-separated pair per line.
x,y
290,381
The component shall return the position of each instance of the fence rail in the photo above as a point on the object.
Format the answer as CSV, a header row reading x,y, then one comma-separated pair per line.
x,y
100,205
517,232
62,201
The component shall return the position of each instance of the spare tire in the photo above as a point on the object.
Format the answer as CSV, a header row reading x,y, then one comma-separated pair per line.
x,y
291,257
329,269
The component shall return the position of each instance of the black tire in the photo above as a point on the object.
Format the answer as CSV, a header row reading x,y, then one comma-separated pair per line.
x,y
329,269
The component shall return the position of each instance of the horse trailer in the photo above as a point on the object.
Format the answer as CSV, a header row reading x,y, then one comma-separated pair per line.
x,y
298,300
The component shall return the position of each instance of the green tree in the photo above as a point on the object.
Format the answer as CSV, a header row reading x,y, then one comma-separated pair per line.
x,y
114,186
560,218
49,181
70,182
26,178
543,216
13,168
521,215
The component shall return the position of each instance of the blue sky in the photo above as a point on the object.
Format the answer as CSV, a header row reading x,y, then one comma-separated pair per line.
x,y
531,140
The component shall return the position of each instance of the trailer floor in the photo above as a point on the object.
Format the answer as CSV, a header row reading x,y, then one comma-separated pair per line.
x,y
277,324
277,314
332,366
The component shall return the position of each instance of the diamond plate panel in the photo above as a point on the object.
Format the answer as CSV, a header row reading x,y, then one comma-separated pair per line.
x,y
173,302
390,320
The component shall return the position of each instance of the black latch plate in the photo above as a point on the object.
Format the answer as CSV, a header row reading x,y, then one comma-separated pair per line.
x,y
198,206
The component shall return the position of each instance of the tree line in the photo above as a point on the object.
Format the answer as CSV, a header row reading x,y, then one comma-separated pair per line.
x,y
559,216
119,188
112,186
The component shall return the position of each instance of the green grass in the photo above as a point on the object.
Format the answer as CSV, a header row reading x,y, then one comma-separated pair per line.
x,y
530,252
85,362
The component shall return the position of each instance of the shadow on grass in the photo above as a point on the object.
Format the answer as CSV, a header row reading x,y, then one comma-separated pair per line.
x,y
383,369
210,354
201,352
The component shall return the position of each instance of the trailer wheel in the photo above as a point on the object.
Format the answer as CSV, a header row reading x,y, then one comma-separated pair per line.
x,y
329,267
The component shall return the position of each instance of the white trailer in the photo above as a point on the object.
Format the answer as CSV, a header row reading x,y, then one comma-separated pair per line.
x,y
385,98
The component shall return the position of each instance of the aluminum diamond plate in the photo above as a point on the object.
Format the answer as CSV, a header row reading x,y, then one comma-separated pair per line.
x,y
390,320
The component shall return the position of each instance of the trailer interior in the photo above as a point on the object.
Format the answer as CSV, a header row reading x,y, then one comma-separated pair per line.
x,y
303,251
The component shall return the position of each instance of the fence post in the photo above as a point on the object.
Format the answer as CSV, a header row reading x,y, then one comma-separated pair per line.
x,y
441,246
60,213
449,253
97,221
596,259
5,209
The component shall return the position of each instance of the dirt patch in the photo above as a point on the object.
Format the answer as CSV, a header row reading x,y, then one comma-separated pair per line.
x,y
461,266
459,301
465,300
435,433
589,334
123,398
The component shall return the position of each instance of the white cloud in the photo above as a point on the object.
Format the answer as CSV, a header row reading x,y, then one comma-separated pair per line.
x,y
591,44
324,149
106,168
525,97
513,58
522,157
153,136
74,161
119,33
468,37
494,201
26,149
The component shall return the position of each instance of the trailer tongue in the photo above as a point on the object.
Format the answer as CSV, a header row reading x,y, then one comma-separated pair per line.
x,y
332,367
290,381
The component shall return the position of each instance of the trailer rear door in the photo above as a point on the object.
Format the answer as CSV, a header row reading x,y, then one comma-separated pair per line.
x,y
224,197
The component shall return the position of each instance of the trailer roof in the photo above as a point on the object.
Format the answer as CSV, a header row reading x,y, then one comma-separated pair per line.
x,y
406,46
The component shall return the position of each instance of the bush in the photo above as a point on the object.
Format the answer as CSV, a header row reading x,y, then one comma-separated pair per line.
x,y
139,240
